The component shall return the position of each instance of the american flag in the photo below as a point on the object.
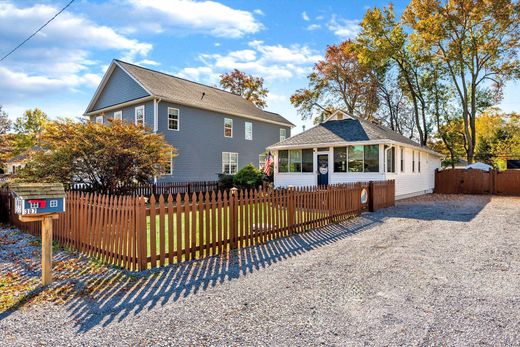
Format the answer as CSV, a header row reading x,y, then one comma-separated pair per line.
x,y
267,166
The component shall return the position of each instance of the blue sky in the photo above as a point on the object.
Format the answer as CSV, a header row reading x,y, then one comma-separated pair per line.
x,y
59,69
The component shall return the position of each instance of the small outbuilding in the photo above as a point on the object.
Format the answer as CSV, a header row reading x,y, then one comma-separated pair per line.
x,y
349,149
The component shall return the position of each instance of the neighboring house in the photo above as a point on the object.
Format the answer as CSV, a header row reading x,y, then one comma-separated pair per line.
x,y
15,163
346,149
214,131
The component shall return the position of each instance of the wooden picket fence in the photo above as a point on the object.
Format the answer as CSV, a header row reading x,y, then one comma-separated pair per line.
x,y
464,181
137,234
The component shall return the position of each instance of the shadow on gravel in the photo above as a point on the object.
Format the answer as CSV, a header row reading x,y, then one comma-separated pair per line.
x,y
107,295
455,208
152,288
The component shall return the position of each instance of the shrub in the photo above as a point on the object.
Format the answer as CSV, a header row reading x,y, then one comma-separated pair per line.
x,y
225,181
248,177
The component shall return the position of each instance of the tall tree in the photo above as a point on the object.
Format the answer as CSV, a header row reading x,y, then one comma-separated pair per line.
x,y
29,129
340,81
110,159
384,43
5,126
249,87
477,41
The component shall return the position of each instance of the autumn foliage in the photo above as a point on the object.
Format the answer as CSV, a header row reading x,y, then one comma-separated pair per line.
x,y
249,87
109,158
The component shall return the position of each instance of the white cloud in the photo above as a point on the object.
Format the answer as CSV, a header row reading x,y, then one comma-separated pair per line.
x,y
259,12
344,28
62,56
312,27
272,62
200,16
305,16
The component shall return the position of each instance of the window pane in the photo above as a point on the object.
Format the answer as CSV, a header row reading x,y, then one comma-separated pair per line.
x,y
295,160
173,119
99,119
419,161
283,161
340,159
390,159
355,158
283,134
307,160
228,127
118,115
233,158
249,130
372,158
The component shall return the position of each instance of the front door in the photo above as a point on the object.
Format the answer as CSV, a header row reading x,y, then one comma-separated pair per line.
x,y
323,169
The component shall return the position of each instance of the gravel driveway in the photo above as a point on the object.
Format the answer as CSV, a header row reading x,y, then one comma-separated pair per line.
x,y
434,270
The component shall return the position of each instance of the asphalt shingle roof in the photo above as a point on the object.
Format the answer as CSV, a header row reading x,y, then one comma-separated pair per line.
x,y
182,91
346,130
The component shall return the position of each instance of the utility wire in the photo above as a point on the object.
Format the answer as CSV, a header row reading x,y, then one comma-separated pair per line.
x,y
37,31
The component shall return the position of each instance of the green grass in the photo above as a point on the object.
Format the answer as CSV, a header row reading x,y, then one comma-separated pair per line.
x,y
198,228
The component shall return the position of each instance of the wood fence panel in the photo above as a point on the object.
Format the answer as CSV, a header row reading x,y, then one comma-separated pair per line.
x,y
464,181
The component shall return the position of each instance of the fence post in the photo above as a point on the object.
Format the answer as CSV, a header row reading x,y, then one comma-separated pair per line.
x,y
233,207
436,181
291,209
371,196
140,228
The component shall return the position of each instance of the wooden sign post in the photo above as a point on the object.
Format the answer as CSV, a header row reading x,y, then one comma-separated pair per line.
x,y
35,202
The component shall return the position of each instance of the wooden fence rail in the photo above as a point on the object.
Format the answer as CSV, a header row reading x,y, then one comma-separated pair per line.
x,y
132,233
464,181
161,188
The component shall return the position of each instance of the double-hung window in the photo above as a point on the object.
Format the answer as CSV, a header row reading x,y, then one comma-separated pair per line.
x,y
118,115
53,203
173,118
413,161
248,131
283,134
261,160
228,127
419,162
229,163
390,159
139,115
99,119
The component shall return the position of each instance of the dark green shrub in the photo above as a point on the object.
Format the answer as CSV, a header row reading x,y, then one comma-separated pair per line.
x,y
225,181
248,177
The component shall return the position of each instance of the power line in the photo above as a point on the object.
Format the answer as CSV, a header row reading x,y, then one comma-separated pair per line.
x,y
37,31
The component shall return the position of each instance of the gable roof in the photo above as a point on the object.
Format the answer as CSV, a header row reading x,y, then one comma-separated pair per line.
x,y
351,129
181,91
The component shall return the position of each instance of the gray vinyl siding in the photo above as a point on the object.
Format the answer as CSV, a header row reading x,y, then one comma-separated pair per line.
x,y
129,114
118,89
200,142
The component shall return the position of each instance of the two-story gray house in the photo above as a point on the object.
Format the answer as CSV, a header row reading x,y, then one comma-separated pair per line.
x,y
213,131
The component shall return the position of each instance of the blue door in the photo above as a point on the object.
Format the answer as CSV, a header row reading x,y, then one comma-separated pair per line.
x,y
323,169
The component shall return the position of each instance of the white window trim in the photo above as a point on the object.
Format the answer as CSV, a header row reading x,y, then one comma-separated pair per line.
x,y
245,130
228,154
413,161
231,129
34,205
178,118
120,113
418,162
53,203
284,134
98,118
141,107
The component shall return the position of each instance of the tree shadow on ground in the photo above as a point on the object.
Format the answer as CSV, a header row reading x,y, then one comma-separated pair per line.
x,y
131,294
